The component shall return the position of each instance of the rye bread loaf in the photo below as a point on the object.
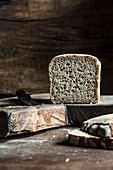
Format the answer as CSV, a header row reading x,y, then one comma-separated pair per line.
x,y
74,78
100,126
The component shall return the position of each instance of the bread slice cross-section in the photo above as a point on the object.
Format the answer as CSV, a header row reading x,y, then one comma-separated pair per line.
x,y
80,138
74,78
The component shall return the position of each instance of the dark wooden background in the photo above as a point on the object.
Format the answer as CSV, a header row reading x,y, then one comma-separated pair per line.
x,y
32,32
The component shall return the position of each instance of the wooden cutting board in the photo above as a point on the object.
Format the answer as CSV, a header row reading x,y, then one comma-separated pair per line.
x,y
16,117
80,111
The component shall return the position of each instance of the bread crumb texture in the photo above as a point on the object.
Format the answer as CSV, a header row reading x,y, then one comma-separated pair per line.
x,y
74,78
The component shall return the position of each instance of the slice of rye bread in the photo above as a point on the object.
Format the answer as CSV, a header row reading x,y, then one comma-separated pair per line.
x,y
80,138
74,78
100,126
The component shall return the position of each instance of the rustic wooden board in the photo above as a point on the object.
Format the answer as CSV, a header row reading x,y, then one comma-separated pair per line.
x,y
17,120
13,118
32,32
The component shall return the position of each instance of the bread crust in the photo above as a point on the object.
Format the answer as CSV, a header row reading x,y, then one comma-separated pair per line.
x,y
98,67
80,138
103,125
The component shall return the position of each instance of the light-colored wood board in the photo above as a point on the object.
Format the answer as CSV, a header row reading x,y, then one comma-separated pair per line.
x,y
17,120
74,112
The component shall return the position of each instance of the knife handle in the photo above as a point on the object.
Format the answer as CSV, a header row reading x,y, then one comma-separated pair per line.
x,y
25,98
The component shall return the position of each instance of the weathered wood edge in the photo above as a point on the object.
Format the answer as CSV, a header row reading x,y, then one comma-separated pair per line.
x,y
17,120
72,114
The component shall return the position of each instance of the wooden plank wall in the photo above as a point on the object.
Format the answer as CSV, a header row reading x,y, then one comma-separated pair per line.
x,y
32,32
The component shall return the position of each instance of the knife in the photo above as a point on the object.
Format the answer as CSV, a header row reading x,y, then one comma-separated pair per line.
x,y
25,98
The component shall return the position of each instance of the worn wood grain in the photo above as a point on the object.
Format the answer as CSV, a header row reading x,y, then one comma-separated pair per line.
x,y
16,120
51,150
32,32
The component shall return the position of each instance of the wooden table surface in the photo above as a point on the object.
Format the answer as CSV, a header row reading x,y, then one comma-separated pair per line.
x,y
50,150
